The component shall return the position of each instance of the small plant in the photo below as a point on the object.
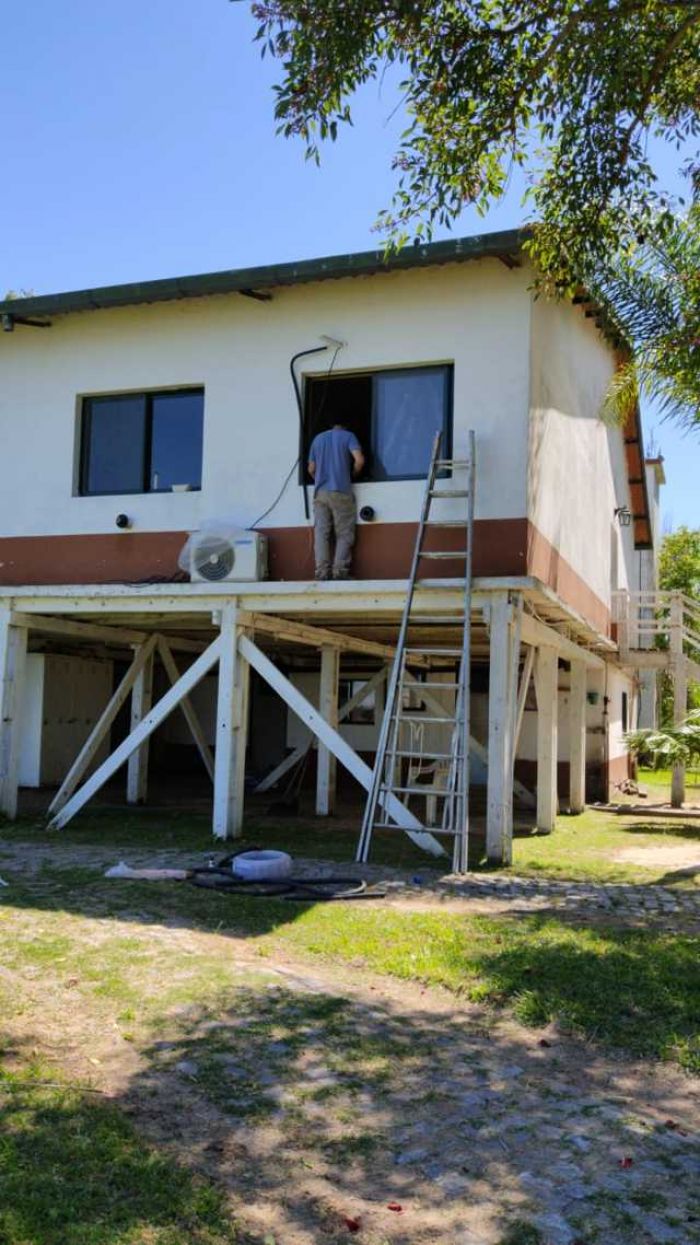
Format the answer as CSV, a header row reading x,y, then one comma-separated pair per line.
x,y
669,745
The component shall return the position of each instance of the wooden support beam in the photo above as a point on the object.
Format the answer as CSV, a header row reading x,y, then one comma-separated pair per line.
x,y
13,655
146,727
577,737
231,730
522,697
375,684
96,632
188,712
75,630
546,686
101,728
317,637
137,766
541,636
347,756
328,707
503,676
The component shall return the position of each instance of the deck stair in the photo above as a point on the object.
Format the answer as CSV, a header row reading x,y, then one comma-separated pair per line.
x,y
437,780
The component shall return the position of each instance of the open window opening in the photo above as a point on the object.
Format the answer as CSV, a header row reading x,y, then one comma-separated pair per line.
x,y
394,414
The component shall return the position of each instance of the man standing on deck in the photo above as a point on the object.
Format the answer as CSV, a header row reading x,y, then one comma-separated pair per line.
x,y
335,458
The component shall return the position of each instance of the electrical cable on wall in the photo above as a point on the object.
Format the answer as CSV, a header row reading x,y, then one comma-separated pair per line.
x,y
330,341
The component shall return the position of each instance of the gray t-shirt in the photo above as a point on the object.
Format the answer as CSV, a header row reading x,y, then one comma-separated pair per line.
x,y
332,453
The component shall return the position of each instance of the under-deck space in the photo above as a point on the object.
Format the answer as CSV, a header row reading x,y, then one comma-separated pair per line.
x,y
254,693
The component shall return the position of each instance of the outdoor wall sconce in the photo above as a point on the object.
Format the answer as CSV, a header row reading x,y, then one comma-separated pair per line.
x,y
623,516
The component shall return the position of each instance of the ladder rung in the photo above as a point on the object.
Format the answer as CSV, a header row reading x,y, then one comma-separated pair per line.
x,y
415,687
446,523
426,789
444,553
431,652
416,619
433,756
391,825
452,462
452,492
408,716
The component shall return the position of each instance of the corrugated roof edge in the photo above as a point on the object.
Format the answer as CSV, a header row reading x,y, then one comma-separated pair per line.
x,y
506,243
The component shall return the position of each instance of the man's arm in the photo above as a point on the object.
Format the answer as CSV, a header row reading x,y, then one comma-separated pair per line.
x,y
311,468
358,461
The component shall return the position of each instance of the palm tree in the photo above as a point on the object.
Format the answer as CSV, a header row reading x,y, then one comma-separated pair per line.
x,y
652,296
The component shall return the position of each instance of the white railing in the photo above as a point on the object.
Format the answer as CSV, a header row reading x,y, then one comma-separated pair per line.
x,y
657,620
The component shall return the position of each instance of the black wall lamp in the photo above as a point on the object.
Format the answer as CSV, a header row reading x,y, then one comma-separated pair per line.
x,y
623,516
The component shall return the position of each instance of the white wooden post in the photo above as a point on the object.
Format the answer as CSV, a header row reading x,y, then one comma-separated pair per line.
x,y
546,686
101,728
137,765
328,707
577,737
231,730
679,674
13,656
152,720
503,673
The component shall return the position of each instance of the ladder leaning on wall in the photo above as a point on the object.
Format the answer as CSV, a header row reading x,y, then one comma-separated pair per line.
x,y
400,750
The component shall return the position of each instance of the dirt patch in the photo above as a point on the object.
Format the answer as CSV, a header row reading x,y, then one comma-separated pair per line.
x,y
673,857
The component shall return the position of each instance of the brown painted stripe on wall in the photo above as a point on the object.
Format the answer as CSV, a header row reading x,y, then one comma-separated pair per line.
x,y
382,551
502,547
545,562
116,557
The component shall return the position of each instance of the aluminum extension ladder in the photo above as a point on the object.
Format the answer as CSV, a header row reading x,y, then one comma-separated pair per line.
x,y
397,752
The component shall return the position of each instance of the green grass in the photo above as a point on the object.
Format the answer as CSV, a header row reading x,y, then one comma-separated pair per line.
x,y
583,847
636,990
74,1172
658,781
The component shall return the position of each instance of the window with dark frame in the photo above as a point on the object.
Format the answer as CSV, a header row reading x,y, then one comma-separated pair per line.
x,y
141,442
394,414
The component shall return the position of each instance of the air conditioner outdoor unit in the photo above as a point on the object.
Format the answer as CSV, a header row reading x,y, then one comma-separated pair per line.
x,y
223,557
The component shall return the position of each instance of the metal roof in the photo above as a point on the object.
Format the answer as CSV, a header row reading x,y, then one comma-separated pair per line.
x,y
504,245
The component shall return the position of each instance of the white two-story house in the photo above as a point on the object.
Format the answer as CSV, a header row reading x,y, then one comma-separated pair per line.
x,y
133,415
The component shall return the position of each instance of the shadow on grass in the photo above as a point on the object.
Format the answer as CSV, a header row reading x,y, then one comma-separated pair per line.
x,y
634,990
311,1106
312,1109
73,1171
689,830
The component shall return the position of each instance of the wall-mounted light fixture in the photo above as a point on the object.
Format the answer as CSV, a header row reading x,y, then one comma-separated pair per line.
x,y
623,516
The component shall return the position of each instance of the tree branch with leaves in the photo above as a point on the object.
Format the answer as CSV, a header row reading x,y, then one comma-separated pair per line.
x,y
572,90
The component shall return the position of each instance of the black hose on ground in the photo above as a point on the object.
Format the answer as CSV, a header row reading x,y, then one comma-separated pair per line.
x,y
302,889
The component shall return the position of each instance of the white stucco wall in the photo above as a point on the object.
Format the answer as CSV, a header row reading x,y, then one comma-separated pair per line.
x,y
475,315
577,474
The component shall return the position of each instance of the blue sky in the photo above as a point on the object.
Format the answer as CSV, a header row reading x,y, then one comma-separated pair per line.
x,y
139,142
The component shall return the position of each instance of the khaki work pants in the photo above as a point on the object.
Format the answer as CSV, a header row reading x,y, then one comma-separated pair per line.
x,y
334,515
